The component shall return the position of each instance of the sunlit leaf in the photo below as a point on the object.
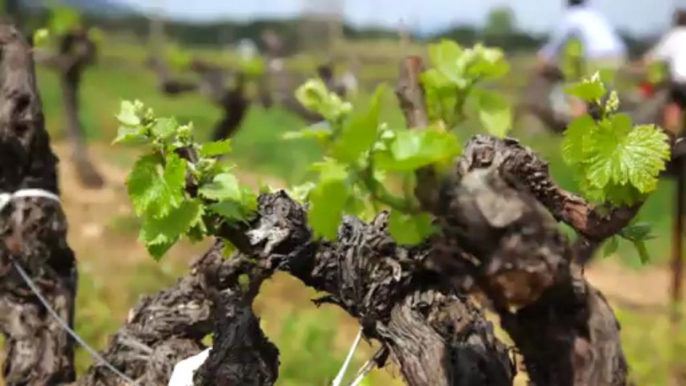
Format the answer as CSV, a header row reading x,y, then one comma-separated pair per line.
x,y
494,112
409,229
590,89
224,186
413,149
217,148
360,130
611,246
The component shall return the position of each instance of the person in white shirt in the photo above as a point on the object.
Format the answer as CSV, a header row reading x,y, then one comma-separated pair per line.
x,y
603,49
671,50
601,43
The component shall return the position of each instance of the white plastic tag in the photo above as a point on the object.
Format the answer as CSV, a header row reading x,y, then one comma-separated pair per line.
x,y
184,370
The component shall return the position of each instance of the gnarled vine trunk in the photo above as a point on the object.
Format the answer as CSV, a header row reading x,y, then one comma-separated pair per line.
x,y
75,54
33,230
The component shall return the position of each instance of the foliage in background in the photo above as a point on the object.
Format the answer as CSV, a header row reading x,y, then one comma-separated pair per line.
x,y
62,20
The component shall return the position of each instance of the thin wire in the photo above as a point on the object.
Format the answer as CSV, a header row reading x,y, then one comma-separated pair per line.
x,y
341,373
66,327
364,370
360,377
5,199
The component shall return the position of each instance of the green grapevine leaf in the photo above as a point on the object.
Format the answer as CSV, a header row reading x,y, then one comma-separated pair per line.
x,y
175,174
128,114
330,169
224,186
321,134
214,149
157,251
356,204
413,149
249,199
360,130
164,128
165,231
312,94
141,183
230,210
611,246
444,56
589,90
328,199
612,104
315,96
642,251
574,138
410,229
130,135
434,79
154,194
494,112
622,155
489,63
441,95
237,209
301,192
637,232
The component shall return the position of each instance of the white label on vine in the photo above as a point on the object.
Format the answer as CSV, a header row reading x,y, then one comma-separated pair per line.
x,y
184,370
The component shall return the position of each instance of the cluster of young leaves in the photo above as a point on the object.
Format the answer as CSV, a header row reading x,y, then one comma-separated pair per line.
x,y
613,160
452,86
362,153
178,187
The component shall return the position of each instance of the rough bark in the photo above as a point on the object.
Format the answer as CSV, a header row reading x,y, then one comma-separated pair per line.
x,y
562,326
33,231
168,327
75,54
499,207
436,335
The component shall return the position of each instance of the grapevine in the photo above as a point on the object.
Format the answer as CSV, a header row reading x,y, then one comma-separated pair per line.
x,y
368,166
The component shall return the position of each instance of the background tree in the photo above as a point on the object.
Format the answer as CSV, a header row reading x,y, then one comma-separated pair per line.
x,y
70,49
500,21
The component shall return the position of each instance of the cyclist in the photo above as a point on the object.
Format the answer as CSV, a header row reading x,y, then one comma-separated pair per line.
x,y
603,48
671,50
